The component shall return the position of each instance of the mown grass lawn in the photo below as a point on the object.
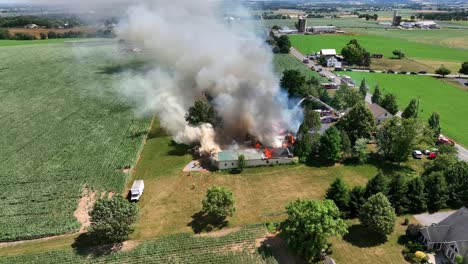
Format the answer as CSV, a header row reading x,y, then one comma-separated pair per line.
x,y
4,43
378,44
435,96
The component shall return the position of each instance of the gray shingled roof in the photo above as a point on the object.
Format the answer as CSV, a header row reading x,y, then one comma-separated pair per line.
x,y
452,228
377,110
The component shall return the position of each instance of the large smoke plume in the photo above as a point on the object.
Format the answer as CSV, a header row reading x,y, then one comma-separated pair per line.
x,y
193,52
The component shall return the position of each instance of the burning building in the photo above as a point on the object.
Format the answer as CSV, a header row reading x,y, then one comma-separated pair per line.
x,y
254,157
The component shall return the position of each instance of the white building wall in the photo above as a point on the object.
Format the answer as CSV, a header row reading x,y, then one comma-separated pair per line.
x,y
232,164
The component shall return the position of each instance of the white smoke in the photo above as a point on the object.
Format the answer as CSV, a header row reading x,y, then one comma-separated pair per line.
x,y
194,52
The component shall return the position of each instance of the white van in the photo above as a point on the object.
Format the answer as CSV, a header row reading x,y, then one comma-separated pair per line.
x,y
137,190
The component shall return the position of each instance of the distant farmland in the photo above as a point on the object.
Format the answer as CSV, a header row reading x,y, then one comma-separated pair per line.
x,y
63,129
427,53
435,96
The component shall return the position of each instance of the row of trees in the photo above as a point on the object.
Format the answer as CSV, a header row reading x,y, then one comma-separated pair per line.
x,y
5,34
48,22
280,45
368,16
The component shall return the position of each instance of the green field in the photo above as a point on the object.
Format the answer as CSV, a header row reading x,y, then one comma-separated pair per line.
x,y
4,43
378,44
435,96
284,62
236,247
63,129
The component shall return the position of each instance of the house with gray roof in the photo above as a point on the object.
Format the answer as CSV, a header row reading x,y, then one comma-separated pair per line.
x,y
449,236
380,114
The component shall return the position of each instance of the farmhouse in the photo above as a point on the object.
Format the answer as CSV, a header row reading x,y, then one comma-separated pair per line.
x,y
333,62
322,29
254,157
379,113
449,236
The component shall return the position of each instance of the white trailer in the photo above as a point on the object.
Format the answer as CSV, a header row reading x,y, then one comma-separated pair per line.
x,y
137,190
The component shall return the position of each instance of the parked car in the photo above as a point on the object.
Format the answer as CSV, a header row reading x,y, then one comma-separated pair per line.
x,y
426,152
445,141
137,190
422,72
414,73
305,61
432,155
350,70
417,154
371,70
403,72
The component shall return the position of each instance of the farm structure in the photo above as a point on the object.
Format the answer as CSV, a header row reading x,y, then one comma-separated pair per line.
x,y
253,157
379,113
322,29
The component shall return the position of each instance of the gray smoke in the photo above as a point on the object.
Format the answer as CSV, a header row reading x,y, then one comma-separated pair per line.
x,y
195,52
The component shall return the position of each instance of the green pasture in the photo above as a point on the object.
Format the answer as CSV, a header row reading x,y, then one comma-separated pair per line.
x,y
435,96
4,43
378,44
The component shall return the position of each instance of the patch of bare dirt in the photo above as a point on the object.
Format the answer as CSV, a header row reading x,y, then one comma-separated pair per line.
x,y
129,245
126,171
220,233
82,211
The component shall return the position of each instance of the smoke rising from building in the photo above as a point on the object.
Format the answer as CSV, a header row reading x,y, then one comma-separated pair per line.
x,y
194,53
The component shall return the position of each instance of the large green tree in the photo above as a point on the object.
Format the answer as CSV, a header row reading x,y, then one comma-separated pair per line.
x,y
397,193
309,224
411,111
241,163
346,97
434,124
312,120
442,70
396,138
284,44
355,54
363,88
338,192
294,83
218,202
303,148
416,195
378,215
436,188
330,145
464,68
360,150
389,103
456,177
380,183
357,123
112,219
346,146
376,96
200,113
357,197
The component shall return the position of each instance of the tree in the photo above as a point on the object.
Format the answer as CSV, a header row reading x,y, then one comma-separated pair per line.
x,y
378,215
378,184
412,18
322,61
330,145
354,54
363,88
416,195
309,225
376,96
303,148
43,35
241,163
411,111
339,193
390,104
112,219
294,82
276,27
434,124
464,68
200,113
284,44
399,54
312,120
456,177
397,193
358,123
396,138
360,150
276,50
443,71
346,97
436,188
218,202
357,197
345,143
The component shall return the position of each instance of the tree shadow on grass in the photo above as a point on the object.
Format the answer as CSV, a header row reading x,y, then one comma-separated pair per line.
x,y
84,246
202,222
359,236
178,149
388,167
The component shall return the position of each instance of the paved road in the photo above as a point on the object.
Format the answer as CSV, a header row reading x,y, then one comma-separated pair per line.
x,y
462,152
